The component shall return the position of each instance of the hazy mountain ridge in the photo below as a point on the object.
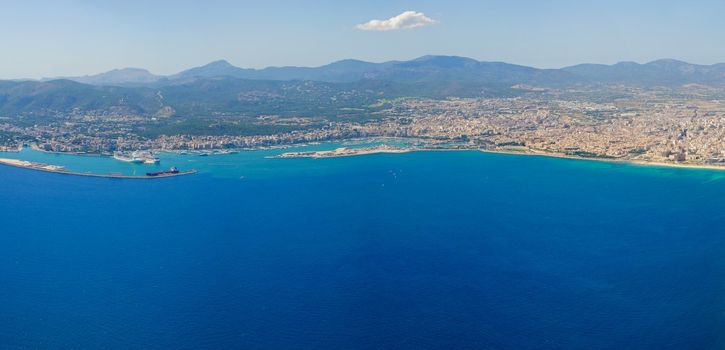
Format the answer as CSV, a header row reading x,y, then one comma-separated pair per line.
x,y
435,69
123,76
660,72
423,69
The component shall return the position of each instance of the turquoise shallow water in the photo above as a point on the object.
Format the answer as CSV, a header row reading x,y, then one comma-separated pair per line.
x,y
236,164
402,251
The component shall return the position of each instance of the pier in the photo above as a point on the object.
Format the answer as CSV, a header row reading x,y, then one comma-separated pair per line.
x,y
61,170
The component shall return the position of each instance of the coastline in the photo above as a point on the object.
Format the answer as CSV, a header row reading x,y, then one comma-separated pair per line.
x,y
381,149
84,154
611,160
12,150
350,152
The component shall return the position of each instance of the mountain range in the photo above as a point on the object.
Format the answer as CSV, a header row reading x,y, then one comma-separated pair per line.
x,y
220,88
125,76
666,72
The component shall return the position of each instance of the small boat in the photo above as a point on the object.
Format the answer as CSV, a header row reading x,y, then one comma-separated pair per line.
x,y
152,160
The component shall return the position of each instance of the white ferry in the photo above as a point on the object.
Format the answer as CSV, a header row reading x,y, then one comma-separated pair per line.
x,y
145,157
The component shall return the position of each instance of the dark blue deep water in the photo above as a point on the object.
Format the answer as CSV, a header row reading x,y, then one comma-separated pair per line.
x,y
430,250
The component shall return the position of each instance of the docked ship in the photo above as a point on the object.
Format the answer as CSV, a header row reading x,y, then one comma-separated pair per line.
x,y
144,157
126,157
171,171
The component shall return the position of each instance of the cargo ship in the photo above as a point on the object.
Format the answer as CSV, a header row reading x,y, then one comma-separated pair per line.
x,y
172,171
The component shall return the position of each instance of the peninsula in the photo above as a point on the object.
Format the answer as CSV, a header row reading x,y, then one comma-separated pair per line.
x,y
344,152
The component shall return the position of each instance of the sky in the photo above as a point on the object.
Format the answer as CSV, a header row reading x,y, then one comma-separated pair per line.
x,y
79,37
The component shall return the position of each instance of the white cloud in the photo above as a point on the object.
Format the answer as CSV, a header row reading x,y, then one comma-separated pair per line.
x,y
405,20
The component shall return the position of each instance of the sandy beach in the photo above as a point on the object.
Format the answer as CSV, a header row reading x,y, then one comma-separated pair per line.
x,y
612,160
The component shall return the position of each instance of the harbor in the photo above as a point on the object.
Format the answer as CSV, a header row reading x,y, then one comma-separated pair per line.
x,y
172,172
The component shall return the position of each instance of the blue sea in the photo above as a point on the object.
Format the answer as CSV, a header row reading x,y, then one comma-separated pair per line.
x,y
423,250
